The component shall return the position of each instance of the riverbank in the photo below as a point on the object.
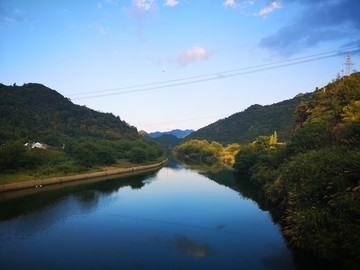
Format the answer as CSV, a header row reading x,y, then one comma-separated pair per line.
x,y
80,177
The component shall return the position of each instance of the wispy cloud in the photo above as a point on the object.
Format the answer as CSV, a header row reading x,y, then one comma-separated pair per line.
x,y
140,9
171,3
145,5
196,53
321,21
273,6
230,3
13,16
240,5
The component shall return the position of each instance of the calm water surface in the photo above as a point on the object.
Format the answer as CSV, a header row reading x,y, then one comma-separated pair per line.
x,y
175,218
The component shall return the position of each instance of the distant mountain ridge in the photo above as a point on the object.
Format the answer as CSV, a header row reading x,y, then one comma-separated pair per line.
x,y
257,120
37,113
176,132
167,140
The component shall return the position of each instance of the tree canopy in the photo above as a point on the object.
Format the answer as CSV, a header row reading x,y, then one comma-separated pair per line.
x,y
244,127
314,178
200,151
37,113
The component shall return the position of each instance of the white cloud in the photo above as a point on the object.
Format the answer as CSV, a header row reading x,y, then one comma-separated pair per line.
x,y
171,3
192,55
274,5
230,3
144,4
141,10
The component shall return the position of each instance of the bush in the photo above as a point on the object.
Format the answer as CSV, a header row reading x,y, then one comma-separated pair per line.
x,y
13,156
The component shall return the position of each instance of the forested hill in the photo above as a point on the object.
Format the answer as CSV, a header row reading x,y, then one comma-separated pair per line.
x,y
314,178
37,113
244,127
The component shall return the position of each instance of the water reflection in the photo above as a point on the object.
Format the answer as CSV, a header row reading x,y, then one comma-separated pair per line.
x,y
86,194
276,260
170,219
190,247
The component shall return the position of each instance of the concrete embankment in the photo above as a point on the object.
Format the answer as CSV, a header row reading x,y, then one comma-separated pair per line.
x,y
80,177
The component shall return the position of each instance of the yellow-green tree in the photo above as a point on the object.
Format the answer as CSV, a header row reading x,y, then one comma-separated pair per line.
x,y
273,138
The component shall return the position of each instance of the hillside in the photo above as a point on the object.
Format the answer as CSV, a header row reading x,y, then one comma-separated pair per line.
x,y
167,140
176,132
37,113
257,120
314,178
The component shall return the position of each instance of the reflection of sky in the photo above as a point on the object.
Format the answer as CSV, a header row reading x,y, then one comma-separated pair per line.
x,y
183,196
190,247
183,245
194,223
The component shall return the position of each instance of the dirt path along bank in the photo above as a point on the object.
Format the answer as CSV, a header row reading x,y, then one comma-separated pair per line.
x,y
79,177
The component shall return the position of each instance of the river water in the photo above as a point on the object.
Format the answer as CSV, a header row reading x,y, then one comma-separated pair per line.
x,y
174,218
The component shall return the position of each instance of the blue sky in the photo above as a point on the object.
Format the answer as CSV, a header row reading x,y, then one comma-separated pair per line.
x,y
165,64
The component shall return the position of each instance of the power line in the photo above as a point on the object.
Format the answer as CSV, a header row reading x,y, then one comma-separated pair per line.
x,y
212,76
193,226
205,75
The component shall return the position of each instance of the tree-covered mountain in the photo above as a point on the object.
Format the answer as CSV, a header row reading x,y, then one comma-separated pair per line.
x,y
33,112
314,179
164,139
176,132
167,140
244,127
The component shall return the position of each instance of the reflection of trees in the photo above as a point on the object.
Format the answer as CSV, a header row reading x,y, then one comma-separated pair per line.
x,y
242,183
276,260
190,247
85,193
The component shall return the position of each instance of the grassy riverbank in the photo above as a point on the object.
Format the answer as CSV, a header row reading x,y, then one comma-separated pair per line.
x,y
19,163
105,171
43,173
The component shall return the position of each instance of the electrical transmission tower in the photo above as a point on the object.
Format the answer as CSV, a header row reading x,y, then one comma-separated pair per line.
x,y
348,65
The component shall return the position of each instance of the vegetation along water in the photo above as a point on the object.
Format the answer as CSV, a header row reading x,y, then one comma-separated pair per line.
x,y
304,171
314,178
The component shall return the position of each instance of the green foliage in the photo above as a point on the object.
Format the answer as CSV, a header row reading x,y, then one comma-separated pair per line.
x,y
246,158
89,152
12,156
142,151
200,151
78,156
93,152
229,153
322,193
314,179
244,127
167,140
15,158
311,136
196,151
336,103
137,154
273,139
262,142
36,113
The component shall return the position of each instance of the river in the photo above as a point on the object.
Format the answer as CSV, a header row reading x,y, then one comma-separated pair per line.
x,y
173,218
